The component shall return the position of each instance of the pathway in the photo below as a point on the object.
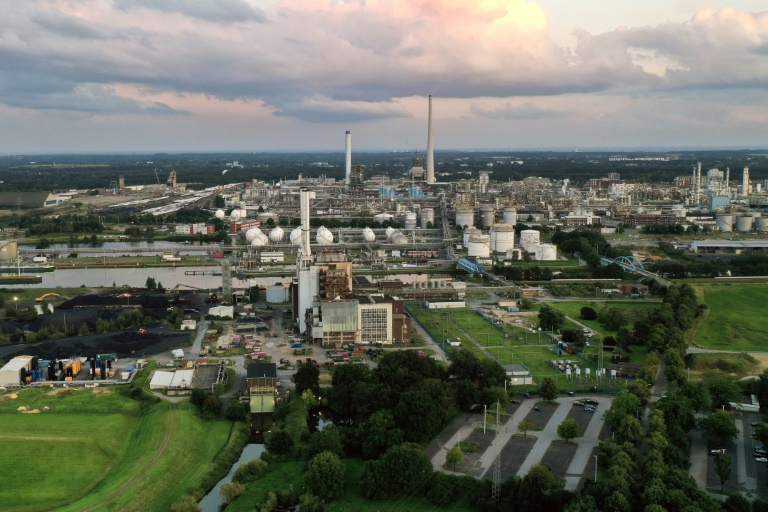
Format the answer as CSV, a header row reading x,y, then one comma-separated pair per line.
x,y
587,444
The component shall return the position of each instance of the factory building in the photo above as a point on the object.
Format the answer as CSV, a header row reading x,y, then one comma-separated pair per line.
x,y
16,371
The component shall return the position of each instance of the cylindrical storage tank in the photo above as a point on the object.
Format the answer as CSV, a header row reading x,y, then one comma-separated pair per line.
x,y
487,215
324,236
296,236
251,234
744,223
502,238
277,294
465,217
529,239
276,235
724,222
479,247
545,252
368,235
398,238
410,220
260,240
470,231
761,224
427,216
509,215
220,214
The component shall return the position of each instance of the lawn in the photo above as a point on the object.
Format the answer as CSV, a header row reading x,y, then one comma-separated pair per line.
x,y
736,365
573,310
82,455
736,318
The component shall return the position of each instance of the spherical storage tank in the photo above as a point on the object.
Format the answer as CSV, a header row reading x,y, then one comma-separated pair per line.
x,y
744,223
276,235
260,240
724,223
479,246
502,238
487,215
251,234
368,235
277,294
324,236
509,215
296,236
410,220
235,215
427,215
529,239
388,232
465,217
469,232
545,252
219,214
398,238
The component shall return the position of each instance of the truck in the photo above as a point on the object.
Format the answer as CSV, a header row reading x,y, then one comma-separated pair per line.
x,y
177,353
296,344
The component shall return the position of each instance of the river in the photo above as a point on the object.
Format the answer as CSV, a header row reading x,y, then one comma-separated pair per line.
x,y
212,500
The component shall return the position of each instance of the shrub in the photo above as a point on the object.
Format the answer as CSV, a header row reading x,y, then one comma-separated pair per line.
x,y
250,471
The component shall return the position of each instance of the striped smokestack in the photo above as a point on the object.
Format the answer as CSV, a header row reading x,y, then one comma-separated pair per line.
x,y
430,147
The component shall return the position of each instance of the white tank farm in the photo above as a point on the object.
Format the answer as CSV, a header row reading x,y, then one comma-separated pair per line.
x,y
324,236
296,236
509,215
724,223
368,235
219,214
502,238
427,216
465,217
761,224
260,240
744,223
469,232
410,220
487,215
545,252
276,235
479,246
398,238
251,234
529,239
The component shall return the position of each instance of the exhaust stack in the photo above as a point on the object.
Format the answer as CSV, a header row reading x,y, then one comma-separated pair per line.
x,y
349,159
430,147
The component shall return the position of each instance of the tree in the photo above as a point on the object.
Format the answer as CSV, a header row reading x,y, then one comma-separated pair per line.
x,y
237,410
279,442
418,415
524,426
550,318
307,377
548,389
718,428
379,433
400,470
231,490
186,503
674,366
211,406
630,430
568,429
587,313
612,318
250,471
455,457
326,440
722,468
325,476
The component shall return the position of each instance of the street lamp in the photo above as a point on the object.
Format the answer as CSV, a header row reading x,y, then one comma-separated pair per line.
x,y
595,468
16,301
485,412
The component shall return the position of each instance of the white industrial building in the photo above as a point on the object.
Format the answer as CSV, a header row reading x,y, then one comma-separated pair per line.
x,y
13,373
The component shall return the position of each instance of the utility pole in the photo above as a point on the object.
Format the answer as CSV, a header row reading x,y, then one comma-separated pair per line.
x,y
496,489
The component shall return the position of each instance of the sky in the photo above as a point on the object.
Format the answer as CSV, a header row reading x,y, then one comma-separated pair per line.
x,y
126,76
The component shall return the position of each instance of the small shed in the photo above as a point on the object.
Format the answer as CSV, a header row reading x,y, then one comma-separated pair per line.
x,y
161,380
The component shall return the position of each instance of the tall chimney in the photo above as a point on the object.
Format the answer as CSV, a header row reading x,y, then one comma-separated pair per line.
x,y
306,250
745,183
430,147
349,159
728,181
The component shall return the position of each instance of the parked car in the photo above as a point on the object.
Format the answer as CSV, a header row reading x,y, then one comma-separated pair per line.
x,y
578,403
586,409
527,395
716,451
761,459
537,408
589,401
514,401
585,330
571,393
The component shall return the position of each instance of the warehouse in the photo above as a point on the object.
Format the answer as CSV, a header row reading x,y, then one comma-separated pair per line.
x,y
15,372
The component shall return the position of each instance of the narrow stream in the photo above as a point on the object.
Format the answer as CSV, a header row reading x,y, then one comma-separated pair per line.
x,y
212,501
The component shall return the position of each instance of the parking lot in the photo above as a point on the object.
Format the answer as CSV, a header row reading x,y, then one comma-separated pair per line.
x,y
574,461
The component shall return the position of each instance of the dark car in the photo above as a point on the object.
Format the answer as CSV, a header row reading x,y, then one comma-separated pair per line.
x,y
514,401
589,401
571,393
578,403
527,395
537,408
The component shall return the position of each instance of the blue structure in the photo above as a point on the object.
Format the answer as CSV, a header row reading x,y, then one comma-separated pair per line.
x,y
470,267
627,263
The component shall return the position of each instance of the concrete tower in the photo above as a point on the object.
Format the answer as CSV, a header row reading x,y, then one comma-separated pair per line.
x,y
430,147
307,274
745,183
349,159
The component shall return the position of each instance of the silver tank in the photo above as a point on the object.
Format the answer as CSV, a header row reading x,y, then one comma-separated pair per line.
x,y
744,223
487,214
724,222
465,217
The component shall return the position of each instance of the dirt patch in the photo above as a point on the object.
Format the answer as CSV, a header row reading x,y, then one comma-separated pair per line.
x,y
96,391
762,360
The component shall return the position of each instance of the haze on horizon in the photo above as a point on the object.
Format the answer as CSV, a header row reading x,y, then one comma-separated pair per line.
x,y
201,75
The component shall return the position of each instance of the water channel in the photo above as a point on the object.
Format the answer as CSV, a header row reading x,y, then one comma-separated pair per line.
x,y
212,501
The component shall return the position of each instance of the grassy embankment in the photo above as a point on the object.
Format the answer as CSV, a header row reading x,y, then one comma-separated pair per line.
x,y
102,451
735,318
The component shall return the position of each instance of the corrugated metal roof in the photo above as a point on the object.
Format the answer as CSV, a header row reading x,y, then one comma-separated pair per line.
x,y
17,363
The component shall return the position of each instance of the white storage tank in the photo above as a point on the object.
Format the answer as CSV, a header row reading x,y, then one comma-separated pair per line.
x,y
219,214
398,238
487,215
744,223
465,217
502,238
296,236
509,215
761,224
410,220
724,222
470,231
277,294
479,246
260,240
388,232
368,235
545,252
324,236
235,215
276,235
427,216
251,234
529,239
383,217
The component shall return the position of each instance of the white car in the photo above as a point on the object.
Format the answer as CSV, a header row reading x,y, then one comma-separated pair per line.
x,y
585,330
761,459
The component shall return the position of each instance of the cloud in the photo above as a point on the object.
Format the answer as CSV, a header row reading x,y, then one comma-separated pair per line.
x,y
319,109
216,11
509,111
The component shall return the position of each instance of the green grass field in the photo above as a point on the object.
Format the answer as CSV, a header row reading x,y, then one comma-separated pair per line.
x,y
573,310
736,365
82,455
736,318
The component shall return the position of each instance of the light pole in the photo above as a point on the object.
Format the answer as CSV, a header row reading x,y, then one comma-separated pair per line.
x,y
595,468
485,412
16,301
